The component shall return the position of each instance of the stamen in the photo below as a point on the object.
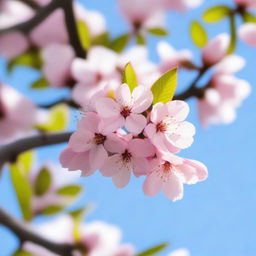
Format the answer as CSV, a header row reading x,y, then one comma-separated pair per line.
x,y
99,138
126,111
161,127
126,156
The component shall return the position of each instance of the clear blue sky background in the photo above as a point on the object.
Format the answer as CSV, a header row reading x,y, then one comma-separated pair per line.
x,y
216,217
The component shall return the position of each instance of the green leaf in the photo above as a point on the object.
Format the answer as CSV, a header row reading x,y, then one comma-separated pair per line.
x,y
23,190
164,88
70,190
119,44
140,40
24,161
233,36
129,76
216,13
22,253
198,34
154,250
84,34
52,209
43,182
57,121
41,83
249,17
102,39
30,58
158,31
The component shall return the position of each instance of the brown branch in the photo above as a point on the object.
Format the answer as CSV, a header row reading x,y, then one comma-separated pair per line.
x,y
9,152
68,102
25,233
42,13
193,90
32,4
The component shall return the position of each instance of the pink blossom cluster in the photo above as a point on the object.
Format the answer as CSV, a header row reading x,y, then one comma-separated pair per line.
x,y
225,92
124,134
15,43
96,238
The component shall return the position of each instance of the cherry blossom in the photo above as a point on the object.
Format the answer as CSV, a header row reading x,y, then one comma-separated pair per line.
x,y
181,5
57,60
128,156
170,58
126,108
215,50
247,32
168,131
17,114
170,172
180,252
246,3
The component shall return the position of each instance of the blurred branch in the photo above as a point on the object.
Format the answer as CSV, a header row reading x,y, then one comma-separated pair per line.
x,y
193,90
25,233
9,152
42,13
32,4
68,102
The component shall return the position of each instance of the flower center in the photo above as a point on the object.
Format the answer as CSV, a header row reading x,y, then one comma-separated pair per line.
x,y
166,167
126,156
161,127
99,77
126,111
99,138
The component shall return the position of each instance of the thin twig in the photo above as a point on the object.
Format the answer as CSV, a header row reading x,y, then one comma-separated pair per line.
x,y
9,152
32,4
25,233
68,102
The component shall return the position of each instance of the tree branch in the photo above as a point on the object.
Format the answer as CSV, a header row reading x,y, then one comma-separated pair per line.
x,y
192,90
25,233
66,101
32,4
42,13
9,152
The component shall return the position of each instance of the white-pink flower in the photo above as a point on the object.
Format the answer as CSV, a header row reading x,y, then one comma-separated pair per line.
x,y
180,252
129,156
57,60
17,114
215,50
246,3
247,32
168,131
170,58
89,140
126,109
170,172
181,5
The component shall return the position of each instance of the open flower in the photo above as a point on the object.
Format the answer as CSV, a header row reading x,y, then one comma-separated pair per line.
x,y
247,32
181,5
127,156
168,131
170,172
126,108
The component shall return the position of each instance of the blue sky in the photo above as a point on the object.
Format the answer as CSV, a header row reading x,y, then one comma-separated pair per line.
x,y
216,217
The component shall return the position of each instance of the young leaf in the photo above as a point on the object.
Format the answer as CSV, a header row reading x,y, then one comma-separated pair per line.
x,y
84,34
198,34
41,83
71,190
140,39
233,37
24,161
216,13
158,31
249,17
22,253
102,39
119,44
23,190
43,182
129,76
52,209
154,250
30,58
164,88
58,119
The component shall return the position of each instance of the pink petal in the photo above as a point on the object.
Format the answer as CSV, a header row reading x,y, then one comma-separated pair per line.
x,y
81,141
141,148
123,95
97,157
201,169
150,130
135,123
142,97
247,33
90,123
152,184
158,113
111,165
107,108
110,125
122,178
178,110
140,166
173,189
115,144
